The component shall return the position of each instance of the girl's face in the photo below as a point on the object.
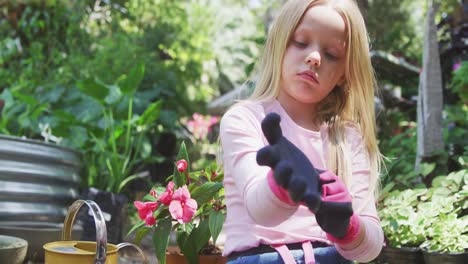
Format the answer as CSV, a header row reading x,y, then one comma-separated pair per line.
x,y
314,60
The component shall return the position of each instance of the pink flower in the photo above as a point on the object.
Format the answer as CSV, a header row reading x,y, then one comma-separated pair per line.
x,y
201,125
166,196
182,207
145,211
150,220
181,165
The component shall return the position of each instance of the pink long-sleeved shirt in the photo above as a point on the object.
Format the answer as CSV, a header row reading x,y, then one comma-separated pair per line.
x,y
255,215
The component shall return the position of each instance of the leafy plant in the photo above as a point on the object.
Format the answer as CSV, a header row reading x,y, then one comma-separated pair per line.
x,y
401,223
398,145
119,145
446,223
191,205
433,218
459,83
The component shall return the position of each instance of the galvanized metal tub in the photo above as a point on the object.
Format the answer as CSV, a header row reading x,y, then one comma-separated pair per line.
x,y
38,180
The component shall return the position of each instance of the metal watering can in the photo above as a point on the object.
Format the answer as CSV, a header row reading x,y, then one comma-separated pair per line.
x,y
84,252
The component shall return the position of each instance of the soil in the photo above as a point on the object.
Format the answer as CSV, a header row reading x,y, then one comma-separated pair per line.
x,y
211,250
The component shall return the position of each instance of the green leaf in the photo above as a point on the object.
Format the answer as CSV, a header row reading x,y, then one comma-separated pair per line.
x,y
180,179
25,99
161,239
426,168
94,88
136,226
206,192
64,116
129,84
141,233
151,114
126,181
216,221
195,241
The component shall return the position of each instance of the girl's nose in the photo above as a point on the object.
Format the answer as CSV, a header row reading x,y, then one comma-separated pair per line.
x,y
313,59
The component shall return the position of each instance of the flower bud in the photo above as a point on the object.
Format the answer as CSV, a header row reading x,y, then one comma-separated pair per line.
x,y
181,165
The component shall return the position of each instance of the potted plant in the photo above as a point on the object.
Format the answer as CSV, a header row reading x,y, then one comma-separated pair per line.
x,y
432,219
445,219
402,227
191,206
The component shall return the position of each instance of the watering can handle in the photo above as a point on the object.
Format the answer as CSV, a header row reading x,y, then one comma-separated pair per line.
x,y
101,232
125,244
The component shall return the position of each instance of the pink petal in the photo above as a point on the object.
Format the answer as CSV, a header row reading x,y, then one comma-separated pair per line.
x,y
151,206
181,194
139,205
170,186
141,208
190,208
175,208
150,220
166,196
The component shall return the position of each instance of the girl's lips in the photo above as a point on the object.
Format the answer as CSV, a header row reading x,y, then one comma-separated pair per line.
x,y
309,76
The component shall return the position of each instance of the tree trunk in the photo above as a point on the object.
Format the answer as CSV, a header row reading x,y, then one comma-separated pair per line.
x,y
430,101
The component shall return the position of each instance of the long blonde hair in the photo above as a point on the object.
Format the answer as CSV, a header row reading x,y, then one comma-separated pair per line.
x,y
352,102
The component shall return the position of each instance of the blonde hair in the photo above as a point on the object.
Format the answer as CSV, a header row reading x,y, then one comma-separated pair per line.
x,y
350,103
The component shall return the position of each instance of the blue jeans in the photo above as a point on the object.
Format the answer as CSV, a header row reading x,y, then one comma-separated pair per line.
x,y
323,255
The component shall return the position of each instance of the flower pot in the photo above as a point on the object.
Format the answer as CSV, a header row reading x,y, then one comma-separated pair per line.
x,y
174,258
407,255
12,249
445,257
113,208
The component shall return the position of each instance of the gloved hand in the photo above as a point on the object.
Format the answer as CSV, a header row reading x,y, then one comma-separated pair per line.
x,y
321,191
292,169
334,216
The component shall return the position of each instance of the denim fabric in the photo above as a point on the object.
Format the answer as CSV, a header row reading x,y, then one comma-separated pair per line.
x,y
324,255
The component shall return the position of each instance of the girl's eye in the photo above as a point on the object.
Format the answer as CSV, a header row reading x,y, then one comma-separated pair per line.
x,y
299,44
330,56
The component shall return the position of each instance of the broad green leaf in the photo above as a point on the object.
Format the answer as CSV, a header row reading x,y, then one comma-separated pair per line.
x,y
141,233
65,116
206,192
427,168
25,98
161,238
130,83
94,88
195,241
216,221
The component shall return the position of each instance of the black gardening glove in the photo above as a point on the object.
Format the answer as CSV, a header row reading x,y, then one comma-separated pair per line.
x,y
294,172
292,169
335,213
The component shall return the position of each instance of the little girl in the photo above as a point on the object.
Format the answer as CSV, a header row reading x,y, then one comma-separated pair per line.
x,y
316,93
